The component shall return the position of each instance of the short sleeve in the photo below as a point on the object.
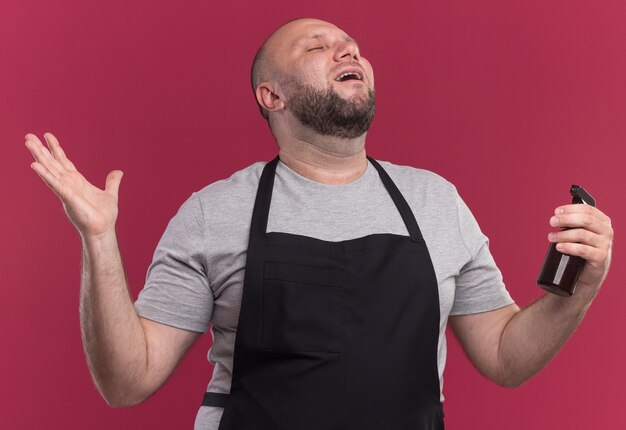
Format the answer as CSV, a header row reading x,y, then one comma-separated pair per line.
x,y
177,290
479,285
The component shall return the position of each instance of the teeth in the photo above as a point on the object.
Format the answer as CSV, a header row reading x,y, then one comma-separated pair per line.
x,y
339,78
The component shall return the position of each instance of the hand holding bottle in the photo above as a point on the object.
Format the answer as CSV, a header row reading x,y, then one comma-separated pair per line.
x,y
588,235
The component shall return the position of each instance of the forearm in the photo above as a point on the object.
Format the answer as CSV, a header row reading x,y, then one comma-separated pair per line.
x,y
113,338
129,357
536,334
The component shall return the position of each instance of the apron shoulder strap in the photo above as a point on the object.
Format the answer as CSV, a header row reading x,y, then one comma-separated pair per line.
x,y
263,199
400,201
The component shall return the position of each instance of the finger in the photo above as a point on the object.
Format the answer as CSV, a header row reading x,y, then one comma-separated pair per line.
x,y
576,208
57,151
31,136
585,220
595,256
578,235
48,178
113,182
42,155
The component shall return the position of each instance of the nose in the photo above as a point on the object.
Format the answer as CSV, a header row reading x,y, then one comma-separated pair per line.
x,y
347,50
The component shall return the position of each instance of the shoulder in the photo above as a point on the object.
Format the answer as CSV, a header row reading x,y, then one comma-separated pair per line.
x,y
241,181
228,194
438,205
223,198
435,203
419,183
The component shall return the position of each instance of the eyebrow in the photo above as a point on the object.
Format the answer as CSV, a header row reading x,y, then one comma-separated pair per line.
x,y
319,36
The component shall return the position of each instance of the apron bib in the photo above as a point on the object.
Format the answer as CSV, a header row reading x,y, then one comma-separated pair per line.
x,y
335,335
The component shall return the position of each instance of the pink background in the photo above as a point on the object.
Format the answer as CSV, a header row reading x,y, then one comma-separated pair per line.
x,y
511,101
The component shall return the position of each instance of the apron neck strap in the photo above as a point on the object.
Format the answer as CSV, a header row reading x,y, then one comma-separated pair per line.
x,y
263,199
403,207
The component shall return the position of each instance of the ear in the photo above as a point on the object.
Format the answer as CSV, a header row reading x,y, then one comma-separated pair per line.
x,y
267,97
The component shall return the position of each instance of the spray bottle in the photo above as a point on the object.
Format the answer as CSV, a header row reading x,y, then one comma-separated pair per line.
x,y
560,271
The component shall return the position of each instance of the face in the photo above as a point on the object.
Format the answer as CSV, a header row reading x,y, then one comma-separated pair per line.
x,y
322,78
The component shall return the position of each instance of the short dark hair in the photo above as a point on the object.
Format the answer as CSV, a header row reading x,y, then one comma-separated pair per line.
x,y
261,67
258,74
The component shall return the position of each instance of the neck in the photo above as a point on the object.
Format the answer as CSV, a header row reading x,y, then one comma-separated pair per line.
x,y
328,160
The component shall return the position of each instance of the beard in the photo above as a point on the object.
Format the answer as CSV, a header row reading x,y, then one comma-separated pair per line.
x,y
329,114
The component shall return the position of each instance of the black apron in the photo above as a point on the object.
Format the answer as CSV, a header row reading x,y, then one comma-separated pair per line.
x,y
335,335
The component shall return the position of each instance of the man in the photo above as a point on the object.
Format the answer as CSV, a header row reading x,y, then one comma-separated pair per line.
x,y
328,277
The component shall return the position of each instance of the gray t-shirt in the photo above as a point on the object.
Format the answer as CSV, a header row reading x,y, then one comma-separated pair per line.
x,y
197,272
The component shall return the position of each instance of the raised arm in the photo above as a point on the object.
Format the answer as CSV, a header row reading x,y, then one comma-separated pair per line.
x,y
129,357
510,345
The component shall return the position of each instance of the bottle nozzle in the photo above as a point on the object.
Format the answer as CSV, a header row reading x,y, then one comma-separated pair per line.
x,y
579,195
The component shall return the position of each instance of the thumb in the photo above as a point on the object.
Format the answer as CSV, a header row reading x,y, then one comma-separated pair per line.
x,y
113,181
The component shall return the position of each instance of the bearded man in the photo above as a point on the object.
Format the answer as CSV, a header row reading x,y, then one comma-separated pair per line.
x,y
327,277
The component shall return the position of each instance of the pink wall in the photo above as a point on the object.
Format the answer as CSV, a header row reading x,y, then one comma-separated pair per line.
x,y
511,101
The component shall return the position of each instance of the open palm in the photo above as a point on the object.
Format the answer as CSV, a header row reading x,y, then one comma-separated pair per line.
x,y
93,211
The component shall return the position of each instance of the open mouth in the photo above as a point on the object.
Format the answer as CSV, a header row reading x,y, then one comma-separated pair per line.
x,y
349,76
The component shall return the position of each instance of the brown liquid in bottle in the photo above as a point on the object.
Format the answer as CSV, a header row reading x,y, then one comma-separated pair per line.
x,y
560,271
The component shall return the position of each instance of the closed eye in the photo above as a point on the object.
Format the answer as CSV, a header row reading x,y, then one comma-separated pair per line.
x,y
315,48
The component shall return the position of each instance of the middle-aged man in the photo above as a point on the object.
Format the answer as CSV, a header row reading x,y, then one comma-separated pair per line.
x,y
328,277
